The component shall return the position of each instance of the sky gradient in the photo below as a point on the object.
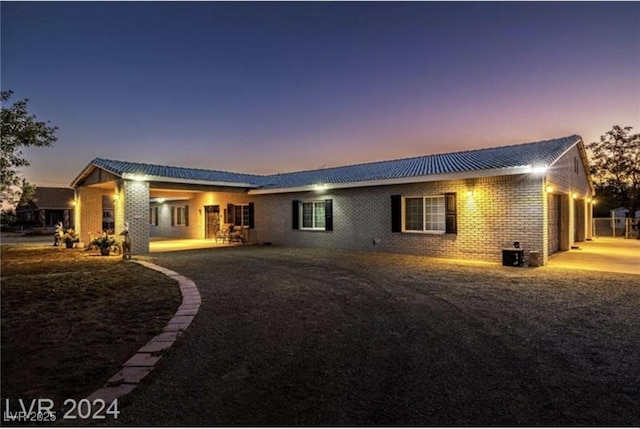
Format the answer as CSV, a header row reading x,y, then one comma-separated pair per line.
x,y
274,87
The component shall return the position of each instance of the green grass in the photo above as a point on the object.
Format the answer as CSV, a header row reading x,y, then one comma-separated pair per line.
x,y
70,319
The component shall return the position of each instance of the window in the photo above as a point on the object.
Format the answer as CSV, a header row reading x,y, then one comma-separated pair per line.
x,y
239,215
425,214
153,216
313,215
180,216
106,214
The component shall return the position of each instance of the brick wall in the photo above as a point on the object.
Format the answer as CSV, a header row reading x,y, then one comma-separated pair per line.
x,y
500,211
89,212
136,213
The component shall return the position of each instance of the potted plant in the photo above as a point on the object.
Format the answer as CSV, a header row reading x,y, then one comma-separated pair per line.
x,y
70,237
104,243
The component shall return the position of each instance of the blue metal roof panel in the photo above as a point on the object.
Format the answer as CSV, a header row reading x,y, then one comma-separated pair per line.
x,y
536,153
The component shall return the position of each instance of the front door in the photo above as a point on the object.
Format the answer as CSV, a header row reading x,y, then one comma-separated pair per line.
x,y
213,221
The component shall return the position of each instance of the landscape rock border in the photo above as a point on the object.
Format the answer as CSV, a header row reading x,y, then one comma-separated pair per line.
x,y
145,359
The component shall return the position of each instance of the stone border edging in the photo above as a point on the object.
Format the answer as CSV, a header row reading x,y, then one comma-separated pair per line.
x,y
144,360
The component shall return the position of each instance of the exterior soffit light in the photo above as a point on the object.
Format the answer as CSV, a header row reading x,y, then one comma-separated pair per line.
x,y
549,189
320,187
538,169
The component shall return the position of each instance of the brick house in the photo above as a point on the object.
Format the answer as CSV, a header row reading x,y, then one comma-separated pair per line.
x,y
468,204
47,207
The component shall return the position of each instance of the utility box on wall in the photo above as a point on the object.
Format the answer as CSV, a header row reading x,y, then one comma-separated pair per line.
x,y
535,259
513,257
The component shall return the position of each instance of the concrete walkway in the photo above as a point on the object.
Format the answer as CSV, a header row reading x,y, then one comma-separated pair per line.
x,y
616,255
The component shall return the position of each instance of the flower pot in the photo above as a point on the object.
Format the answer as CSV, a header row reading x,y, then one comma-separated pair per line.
x,y
104,251
69,244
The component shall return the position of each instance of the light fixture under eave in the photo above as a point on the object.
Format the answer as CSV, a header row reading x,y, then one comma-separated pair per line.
x,y
574,195
549,189
538,169
116,197
320,187
161,200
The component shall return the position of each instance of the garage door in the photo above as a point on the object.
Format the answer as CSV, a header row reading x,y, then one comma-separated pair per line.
x,y
554,223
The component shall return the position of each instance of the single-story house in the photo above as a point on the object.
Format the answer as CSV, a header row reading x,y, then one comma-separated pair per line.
x,y
468,204
47,207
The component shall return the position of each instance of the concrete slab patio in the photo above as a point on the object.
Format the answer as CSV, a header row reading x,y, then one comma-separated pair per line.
x,y
616,255
157,246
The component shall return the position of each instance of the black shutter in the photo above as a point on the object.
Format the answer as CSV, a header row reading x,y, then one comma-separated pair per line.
x,y
186,215
451,212
173,216
156,210
231,213
238,219
295,214
396,213
251,221
328,215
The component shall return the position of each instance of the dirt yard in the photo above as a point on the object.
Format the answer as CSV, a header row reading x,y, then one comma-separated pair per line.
x,y
70,319
321,337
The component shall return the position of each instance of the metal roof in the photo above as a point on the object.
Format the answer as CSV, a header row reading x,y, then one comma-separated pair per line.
x,y
541,153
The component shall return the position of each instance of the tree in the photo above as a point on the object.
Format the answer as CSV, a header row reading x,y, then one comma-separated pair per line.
x,y
615,167
19,129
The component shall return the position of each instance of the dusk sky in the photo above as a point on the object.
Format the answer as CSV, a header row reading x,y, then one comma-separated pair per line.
x,y
273,87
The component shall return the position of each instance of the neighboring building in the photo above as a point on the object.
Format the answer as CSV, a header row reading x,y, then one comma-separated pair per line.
x,y
619,215
469,204
48,207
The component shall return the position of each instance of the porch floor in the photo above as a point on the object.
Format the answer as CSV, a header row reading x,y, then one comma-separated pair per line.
x,y
173,245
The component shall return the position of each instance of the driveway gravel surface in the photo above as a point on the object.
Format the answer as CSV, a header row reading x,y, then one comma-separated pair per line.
x,y
322,337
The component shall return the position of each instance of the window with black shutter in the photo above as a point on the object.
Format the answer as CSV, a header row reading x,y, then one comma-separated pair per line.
x,y
451,213
251,216
328,215
295,214
396,213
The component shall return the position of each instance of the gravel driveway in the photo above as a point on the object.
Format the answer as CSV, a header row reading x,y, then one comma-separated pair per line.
x,y
323,337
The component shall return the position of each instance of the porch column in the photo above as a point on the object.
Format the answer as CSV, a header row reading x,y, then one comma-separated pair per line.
x,y
135,204
589,225
88,212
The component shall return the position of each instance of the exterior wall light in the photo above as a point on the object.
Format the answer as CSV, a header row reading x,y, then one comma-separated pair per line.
x,y
538,169
574,195
161,200
549,189
469,193
116,197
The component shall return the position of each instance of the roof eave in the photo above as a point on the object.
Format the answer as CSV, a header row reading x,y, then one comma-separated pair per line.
x,y
524,169
149,178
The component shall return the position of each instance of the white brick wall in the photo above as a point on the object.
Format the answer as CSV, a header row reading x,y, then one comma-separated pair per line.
x,y
136,213
502,210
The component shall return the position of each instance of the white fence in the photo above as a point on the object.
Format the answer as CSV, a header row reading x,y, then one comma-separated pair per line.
x,y
614,227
